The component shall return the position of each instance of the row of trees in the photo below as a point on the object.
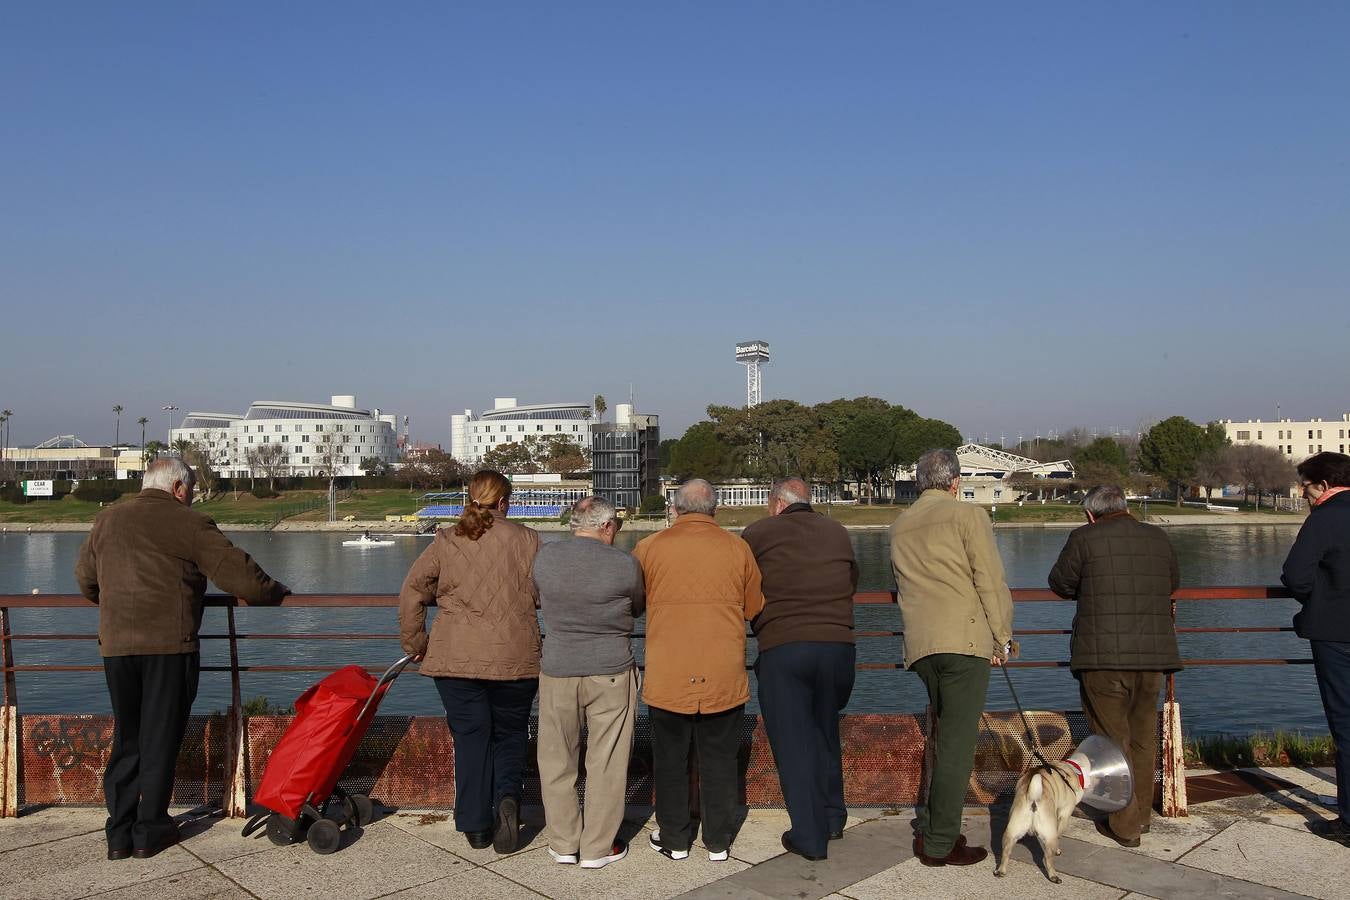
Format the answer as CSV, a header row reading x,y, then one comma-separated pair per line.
x,y
865,441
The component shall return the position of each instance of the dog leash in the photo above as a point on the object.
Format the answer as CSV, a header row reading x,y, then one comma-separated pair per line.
x,y
1031,734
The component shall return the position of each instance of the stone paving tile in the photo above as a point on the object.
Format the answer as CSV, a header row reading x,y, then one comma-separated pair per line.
x,y
437,827
78,866
643,873
51,824
377,861
199,884
912,879
476,884
1168,839
760,835
214,838
1287,858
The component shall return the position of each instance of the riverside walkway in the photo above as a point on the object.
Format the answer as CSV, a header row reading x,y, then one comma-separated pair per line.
x,y
1249,846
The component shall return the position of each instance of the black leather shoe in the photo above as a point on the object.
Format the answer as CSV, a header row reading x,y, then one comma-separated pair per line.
x,y
787,845
962,854
156,849
507,835
479,840
119,853
837,835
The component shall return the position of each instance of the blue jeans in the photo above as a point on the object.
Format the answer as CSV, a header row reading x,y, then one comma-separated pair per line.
x,y
803,686
1331,662
490,724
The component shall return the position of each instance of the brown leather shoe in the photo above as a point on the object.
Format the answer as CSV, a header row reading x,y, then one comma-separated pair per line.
x,y
961,855
1104,830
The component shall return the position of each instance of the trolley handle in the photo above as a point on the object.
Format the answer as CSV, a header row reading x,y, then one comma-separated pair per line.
x,y
389,675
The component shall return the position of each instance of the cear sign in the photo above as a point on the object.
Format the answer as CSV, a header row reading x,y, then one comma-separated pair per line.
x,y
37,488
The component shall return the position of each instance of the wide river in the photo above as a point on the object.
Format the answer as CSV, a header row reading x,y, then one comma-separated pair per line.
x,y
1213,699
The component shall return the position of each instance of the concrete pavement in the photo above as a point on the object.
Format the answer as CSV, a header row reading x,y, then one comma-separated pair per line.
x,y
1245,847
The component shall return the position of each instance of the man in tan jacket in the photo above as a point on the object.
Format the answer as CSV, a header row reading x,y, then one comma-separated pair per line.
x,y
958,620
146,564
702,587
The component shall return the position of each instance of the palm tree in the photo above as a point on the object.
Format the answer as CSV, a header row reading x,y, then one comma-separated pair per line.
x,y
117,411
153,449
142,422
600,406
4,431
182,446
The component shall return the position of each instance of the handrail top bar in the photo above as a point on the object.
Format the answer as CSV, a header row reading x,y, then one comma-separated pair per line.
x,y
56,601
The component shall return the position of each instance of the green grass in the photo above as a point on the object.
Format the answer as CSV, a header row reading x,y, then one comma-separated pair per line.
x,y
371,505
1276,748
67,509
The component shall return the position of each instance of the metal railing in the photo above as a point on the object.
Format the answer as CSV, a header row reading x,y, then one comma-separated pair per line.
x,y
235,799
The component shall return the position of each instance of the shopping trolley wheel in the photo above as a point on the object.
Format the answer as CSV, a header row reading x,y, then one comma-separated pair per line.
x,y
281,831
324,836
358,809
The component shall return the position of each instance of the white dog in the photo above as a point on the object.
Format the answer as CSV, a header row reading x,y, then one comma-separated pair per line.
x,y
1044,800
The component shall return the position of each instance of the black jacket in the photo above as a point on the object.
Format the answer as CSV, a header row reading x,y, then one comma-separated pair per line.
x,y
1122,572
1317,572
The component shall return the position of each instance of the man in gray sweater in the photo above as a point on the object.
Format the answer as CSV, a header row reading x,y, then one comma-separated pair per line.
x,y
589,594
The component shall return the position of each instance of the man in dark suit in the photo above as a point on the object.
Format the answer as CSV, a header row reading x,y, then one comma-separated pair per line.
x,y
806,658
146,564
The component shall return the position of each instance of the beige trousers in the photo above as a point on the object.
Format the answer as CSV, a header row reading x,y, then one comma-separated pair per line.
x,y
608,706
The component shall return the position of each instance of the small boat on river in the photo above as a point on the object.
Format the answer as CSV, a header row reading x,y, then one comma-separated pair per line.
x,y
366,540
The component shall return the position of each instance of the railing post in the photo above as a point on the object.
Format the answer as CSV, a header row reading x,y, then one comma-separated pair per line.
x,y
9,725
1173,748
235,800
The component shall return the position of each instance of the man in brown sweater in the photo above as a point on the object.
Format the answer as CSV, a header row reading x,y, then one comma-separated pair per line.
x,y
146,564
806,658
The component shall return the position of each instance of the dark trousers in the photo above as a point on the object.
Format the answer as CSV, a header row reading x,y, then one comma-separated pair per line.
x,y
1331,662
490,724
803,686
717,740
1123,706
151,699
956,688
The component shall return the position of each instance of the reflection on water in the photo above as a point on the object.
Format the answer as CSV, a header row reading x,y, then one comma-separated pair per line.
x,y
1213,698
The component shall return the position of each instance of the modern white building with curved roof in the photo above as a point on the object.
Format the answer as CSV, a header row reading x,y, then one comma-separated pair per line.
x,y
471,436
314,436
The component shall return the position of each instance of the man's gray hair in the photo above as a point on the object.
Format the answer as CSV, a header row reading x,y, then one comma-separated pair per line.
x,y
936,470
790,490
162,474
591,513
1105,499
695,496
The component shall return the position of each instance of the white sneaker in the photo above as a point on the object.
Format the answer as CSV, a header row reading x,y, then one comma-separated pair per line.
x,y
655,841
719,856
617,852
562,859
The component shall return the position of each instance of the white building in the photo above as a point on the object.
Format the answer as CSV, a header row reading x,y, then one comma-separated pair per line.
x,y
986,475
471,435
1296,439
315,436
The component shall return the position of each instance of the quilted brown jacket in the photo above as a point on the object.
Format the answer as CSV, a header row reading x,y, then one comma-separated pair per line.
x,y
1122,572
485,625
702,587
146,563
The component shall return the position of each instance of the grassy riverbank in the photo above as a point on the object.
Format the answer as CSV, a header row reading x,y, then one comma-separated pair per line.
x,y
373,505
1277,748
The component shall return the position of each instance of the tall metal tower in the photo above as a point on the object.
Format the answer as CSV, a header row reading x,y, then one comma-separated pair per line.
x,y
752,355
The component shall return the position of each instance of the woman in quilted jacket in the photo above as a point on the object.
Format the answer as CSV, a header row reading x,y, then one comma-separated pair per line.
x,y
483,652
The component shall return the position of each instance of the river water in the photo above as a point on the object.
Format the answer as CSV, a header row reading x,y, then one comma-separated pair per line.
x,y
1213,699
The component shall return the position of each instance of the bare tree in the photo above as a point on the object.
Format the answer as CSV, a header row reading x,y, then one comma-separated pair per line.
x,y
253,463
273,460
1215,468
1259,469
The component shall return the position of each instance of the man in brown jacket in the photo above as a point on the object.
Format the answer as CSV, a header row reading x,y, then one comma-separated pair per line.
x,y
146,564
702,587
957,612
1122,573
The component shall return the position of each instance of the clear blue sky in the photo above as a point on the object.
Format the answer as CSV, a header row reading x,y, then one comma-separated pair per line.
x,y
1010,216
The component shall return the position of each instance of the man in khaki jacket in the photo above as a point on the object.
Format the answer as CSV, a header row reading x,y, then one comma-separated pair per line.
x,y
958,620
146,564
702,587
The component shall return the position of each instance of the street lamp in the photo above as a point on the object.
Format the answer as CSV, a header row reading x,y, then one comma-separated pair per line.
x,y
168,434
